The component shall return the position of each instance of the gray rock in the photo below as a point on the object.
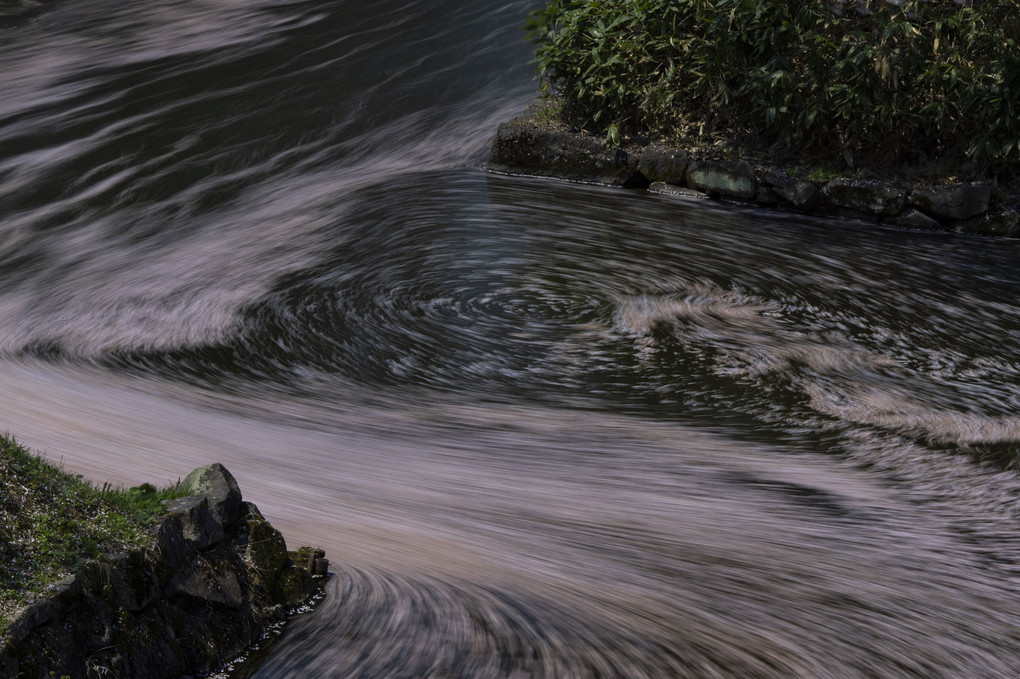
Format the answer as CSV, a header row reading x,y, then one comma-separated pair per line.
x,y
525,149
866,195
957,201
1001,224
800,193
765,195
133,585
198,525
203,587
266,550
9,665
915,219
723,178
665,165
672,190
170,547
219,488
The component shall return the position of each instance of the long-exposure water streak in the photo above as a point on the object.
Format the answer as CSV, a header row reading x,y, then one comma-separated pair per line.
x,y
542,429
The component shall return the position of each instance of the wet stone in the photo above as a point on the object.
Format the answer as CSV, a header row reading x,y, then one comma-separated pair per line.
x,y
723,178
798,192
915,219
531,150
866,196
672,190
957,201
665,165
1001,224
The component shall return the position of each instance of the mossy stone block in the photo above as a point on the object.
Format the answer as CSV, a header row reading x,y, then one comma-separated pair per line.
x,y
723,178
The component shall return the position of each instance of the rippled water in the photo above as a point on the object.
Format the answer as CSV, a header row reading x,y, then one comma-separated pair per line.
x,y
543,430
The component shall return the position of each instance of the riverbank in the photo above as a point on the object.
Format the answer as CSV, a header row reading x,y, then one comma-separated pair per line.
x,y
539,143
137,583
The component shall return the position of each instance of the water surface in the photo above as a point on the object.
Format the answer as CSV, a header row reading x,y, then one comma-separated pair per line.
x,y
542,429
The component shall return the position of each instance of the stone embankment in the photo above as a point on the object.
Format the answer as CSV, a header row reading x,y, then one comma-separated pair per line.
x,y
213,577
526,147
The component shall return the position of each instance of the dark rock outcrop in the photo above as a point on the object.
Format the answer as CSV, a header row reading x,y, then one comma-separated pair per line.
x,y
526,147
663,164
956,201
534,150
866,196
799,193
214,575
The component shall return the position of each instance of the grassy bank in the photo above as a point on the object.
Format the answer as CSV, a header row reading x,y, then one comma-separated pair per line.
x,y
929,85
51,521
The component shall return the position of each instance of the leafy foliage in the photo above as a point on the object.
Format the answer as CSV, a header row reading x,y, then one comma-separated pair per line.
x,y
878,77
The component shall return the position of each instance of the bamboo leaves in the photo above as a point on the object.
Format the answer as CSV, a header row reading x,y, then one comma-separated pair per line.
x,y
931,76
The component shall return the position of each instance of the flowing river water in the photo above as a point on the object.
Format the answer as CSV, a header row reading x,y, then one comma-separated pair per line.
x,y
542,429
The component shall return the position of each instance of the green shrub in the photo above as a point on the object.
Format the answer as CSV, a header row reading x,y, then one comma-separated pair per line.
x,y
930,76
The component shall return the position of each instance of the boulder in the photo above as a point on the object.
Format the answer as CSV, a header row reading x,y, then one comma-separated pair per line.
x,y
915,219
723,178
956,201
660,164
1005,223
520,148
219,488
865,195
798,192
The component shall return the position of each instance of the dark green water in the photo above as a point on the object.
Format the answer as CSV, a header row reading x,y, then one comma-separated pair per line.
x,y
542,429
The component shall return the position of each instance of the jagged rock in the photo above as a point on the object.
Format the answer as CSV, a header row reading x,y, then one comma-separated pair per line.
x,y
266,550
672,190
801,194
219,488
957,201
183,605
212,587
131,583
665,165
292,585
198,524
723,178
866,195
531,150
915,219
170,547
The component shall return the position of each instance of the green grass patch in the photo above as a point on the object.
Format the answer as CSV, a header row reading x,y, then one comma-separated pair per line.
x,y
51,521
913,82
